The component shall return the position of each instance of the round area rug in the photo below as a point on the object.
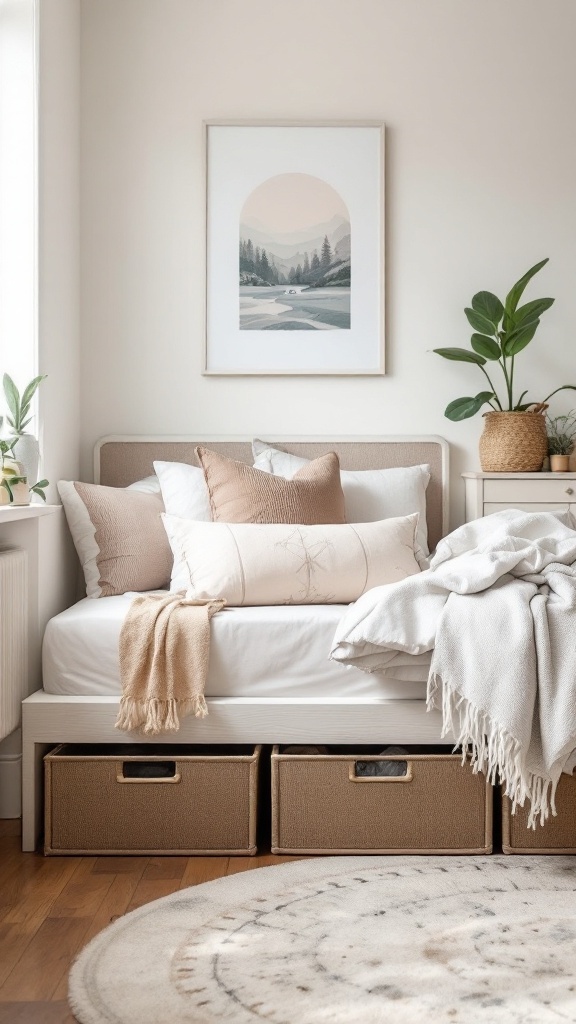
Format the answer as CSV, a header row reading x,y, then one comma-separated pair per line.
x,y
340,940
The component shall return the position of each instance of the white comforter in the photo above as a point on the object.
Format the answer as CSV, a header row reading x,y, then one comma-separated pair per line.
x,y
498,608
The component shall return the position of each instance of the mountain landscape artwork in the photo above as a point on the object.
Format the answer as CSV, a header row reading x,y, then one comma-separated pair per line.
x,y
294,256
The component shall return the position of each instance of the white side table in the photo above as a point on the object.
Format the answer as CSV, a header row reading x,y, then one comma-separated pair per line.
x,y
532,492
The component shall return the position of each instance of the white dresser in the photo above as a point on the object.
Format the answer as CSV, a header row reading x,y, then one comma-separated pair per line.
x,y
533,492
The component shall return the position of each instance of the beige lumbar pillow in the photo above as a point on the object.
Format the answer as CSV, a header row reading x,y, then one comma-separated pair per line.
x,y
241,494
119,537
253,564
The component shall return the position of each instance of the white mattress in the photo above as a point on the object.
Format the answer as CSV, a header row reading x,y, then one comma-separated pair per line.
x,y
279,651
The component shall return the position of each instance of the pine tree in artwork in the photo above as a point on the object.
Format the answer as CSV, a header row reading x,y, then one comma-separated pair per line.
x,y
315,264
326,257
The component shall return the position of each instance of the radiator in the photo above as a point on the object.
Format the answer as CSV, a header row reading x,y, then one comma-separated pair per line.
x,y
13,638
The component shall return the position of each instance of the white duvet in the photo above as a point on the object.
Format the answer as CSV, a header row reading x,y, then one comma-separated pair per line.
x,y
498,609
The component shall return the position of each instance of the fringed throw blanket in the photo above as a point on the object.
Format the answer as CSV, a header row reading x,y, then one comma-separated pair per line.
x,y
164,654
498,608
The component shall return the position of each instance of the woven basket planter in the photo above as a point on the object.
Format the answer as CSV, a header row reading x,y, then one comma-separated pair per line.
x,y
513,442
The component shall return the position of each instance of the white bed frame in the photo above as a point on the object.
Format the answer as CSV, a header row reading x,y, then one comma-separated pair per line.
x,y
48,719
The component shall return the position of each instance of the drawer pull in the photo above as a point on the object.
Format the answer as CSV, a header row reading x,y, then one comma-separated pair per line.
x,y
358,765
569,490
148,772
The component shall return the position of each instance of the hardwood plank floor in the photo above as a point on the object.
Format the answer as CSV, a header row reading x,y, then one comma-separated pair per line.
x,y
50,907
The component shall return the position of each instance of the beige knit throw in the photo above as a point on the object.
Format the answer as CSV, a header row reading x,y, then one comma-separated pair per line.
x,y
164,654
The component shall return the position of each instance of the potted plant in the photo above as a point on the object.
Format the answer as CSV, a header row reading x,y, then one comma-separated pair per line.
x,y
13,484
561,431
514,437
25,446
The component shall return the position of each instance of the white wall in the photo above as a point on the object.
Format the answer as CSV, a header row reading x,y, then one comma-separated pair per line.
x,y
59,237
478,100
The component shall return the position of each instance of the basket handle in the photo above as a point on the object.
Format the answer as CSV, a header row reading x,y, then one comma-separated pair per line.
x,y
353,777
134,766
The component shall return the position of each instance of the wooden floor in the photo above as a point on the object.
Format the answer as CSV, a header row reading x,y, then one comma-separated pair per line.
x,y
51,906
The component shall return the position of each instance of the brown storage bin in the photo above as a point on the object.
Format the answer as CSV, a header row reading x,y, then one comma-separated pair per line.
x,y
320,805
558,835
181,800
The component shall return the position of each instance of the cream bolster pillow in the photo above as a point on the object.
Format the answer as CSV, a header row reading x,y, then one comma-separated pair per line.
x,y
278,563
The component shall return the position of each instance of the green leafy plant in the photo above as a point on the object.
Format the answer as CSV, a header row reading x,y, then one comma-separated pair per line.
x,y
501,331
18,420
8,476
39,489
561,432
19,406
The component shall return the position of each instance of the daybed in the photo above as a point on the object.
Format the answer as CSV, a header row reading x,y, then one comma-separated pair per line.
x,y
291,702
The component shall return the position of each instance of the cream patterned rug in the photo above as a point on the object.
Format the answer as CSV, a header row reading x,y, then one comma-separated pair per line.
x,y
345,940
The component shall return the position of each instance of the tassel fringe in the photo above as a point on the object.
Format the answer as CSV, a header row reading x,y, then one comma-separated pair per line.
x,y
493,751
152,717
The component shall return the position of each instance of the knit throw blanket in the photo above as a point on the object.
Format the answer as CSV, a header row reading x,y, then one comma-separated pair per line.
x,y
498,608
164,655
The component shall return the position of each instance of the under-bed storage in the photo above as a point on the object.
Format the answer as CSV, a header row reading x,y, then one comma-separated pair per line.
x,y
126,800
322,803
558,835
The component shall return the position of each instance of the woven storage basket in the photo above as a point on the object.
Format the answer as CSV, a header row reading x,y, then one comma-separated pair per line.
x,y
178,799
320,805
557,835
513,442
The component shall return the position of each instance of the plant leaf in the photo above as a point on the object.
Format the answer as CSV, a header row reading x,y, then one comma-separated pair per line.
x,y
517,407
565,387
489,306
4,483
30,391
12,395
531,311
463,408
486,347
460,355
38,490
25,424
41,483
519,338
515,293
479,322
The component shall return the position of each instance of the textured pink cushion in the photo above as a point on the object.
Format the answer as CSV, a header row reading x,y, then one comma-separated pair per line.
x,y
119,537
241,494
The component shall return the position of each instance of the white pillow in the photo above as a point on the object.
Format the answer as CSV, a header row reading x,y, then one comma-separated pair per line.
x,y
149,485
185,494
278,563
369,494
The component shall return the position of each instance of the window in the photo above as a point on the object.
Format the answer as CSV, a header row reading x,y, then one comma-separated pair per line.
x,y
18,191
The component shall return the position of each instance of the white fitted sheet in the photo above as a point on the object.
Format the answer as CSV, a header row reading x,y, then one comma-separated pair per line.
x,y
276,651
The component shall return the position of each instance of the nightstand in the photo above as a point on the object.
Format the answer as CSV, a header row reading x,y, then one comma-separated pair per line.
x,y
532,492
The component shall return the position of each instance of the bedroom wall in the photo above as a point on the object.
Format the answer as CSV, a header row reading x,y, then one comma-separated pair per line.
x,y
59,236
477,98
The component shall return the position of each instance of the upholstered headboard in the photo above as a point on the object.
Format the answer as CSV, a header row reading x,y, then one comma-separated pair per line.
x,y
119,461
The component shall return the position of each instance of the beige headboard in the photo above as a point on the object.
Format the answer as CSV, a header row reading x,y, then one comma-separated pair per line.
x,y
119,461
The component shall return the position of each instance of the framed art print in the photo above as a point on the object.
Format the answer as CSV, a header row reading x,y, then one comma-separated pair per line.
x,y
294,248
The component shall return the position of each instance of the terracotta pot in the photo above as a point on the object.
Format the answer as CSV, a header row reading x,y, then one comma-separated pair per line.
x,y
513,442
559,463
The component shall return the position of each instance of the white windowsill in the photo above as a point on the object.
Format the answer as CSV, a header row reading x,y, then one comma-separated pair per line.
x,y
13,513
